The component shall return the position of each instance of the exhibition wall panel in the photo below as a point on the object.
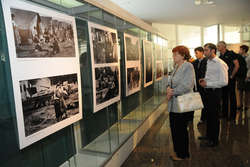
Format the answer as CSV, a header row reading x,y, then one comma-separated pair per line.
x,y
115,121
92,124
59,145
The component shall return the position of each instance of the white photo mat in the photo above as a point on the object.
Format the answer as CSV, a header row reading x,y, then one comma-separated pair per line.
x,y
33,68
132,64
150,58
102,105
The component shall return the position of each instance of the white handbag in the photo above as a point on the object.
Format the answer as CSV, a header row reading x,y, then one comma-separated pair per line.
x,y
190,101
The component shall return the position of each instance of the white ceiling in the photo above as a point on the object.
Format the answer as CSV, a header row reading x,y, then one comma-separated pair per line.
x,y
185,12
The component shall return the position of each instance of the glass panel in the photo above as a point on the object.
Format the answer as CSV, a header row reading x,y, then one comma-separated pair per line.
x,y
232,34
97,135
67,3
211,34
189,36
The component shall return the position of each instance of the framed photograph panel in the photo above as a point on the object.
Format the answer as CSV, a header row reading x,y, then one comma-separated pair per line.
x,y
44,57
158,52
148,63
133,83
165,59
105,58
159,70
133,64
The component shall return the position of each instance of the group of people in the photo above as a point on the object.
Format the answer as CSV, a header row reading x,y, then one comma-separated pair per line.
x,y
219,79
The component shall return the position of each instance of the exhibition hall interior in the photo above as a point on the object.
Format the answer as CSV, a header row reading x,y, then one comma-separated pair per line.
x,y
99,83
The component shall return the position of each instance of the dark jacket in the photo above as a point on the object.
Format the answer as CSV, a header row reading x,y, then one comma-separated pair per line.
x,y
201,71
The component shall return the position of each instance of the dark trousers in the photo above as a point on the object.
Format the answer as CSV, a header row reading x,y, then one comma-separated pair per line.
x,y
203,111
229,97
178,125
212,106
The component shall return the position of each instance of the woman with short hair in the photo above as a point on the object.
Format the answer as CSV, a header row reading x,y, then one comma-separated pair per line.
x,y
181,82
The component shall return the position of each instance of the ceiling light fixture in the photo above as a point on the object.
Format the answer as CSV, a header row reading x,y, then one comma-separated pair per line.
x,y
203,2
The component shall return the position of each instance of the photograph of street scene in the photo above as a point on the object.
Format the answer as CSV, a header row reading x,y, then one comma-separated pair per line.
x,y
148,63
132,46
47,101
105,46
39,35
159,70
107,83
133,80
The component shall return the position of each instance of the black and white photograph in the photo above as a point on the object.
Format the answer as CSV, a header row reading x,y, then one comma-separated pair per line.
x,y
159,70
148,63
165,60
158,52
105,65
107,83
45,69
132,48
165,68
133,80
40,35
47,101
105,45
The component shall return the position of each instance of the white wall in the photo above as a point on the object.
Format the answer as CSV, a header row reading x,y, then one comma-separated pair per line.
x,y
190,36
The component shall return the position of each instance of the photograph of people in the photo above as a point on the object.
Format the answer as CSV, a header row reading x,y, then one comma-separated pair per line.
x,y
39,35
49,100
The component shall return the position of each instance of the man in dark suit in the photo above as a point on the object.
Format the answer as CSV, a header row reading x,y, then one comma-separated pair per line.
x,y
200,65
229,105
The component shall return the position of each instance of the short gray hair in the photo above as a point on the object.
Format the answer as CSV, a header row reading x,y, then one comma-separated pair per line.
x,y
223,43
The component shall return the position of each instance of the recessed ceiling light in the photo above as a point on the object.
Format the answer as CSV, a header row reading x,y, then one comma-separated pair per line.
x,y
204,2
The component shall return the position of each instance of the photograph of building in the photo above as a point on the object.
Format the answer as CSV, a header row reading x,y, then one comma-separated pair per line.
x,y
39,35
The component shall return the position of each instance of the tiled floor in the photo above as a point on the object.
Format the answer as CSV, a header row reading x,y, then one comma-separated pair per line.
x,y
233,150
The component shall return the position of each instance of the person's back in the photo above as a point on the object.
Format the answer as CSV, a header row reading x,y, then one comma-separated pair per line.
x,y
242,72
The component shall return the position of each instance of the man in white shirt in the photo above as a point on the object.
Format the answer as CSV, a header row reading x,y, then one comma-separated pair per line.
x,y
215,78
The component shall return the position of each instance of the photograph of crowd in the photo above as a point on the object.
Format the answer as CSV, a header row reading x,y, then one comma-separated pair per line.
x,y
47,101
39,35
133,80
105,46
158,52
107,83
148,63
159,70
132,48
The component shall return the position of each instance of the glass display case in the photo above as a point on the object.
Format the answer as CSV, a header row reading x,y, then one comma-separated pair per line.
x,y
92,140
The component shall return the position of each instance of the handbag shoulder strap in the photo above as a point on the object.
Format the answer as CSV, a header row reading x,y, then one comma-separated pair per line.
x,y
172,76
195,85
